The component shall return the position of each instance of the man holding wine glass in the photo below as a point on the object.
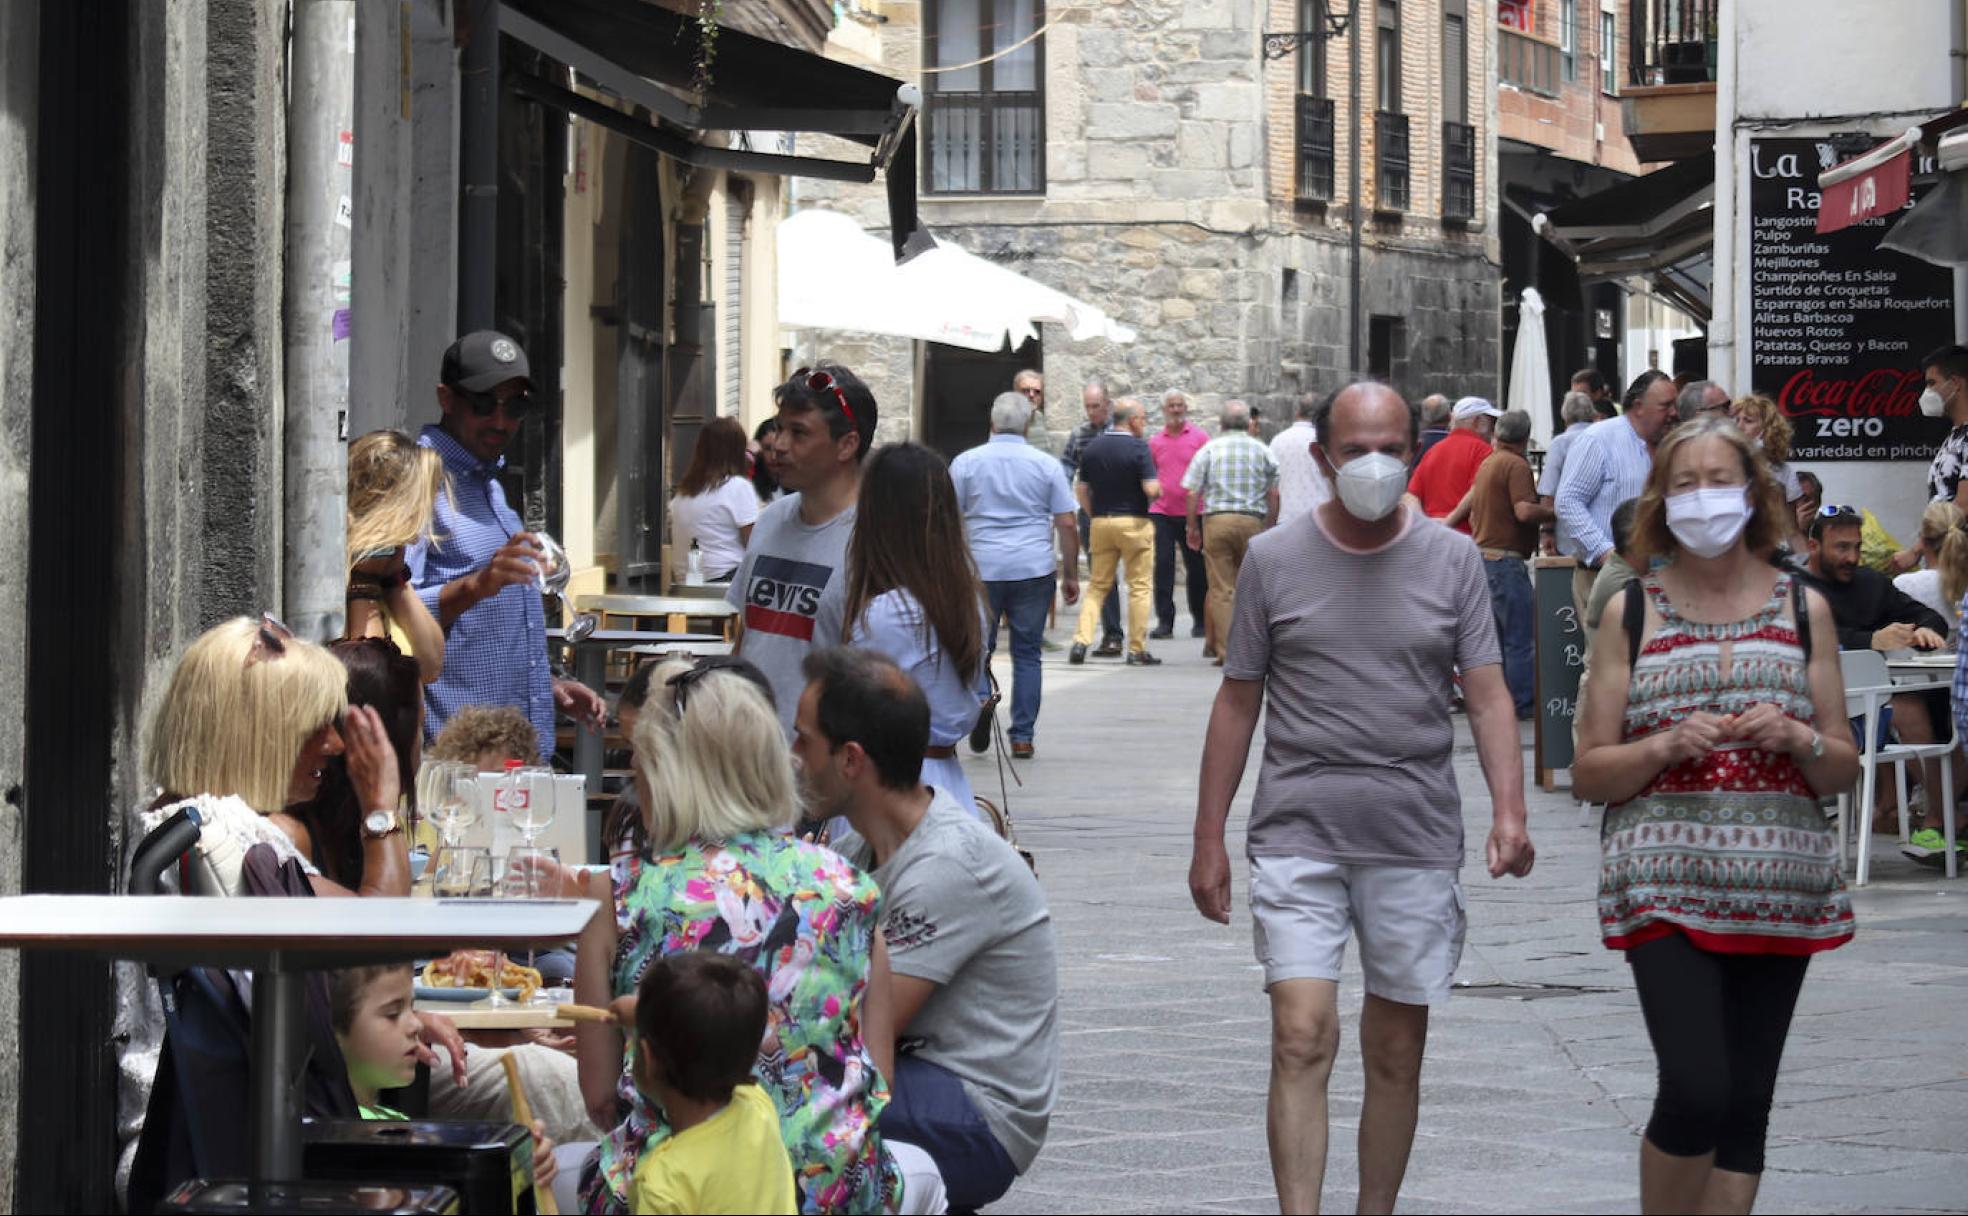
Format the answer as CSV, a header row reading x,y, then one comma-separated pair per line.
x,y
482,573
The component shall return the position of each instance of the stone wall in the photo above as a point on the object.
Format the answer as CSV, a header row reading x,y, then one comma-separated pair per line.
x,y
1168,170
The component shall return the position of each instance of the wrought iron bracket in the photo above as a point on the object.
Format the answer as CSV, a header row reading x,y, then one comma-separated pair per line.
x,y
1277,46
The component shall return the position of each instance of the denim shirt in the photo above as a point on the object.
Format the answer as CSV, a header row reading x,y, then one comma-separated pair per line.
x,y
495,653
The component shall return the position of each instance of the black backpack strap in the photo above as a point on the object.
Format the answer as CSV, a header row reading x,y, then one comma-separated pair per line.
x,y
1633,614
1800,608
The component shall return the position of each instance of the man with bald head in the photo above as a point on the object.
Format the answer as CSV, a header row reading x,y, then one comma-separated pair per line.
x,y
1352,620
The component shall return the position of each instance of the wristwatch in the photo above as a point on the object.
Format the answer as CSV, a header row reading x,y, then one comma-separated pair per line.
x,y
377,824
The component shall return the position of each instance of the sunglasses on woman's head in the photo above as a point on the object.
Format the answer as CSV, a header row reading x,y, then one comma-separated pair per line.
x,y
682,682
270,642
821,382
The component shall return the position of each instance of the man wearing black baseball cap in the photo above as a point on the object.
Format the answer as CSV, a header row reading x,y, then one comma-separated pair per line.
x,y
478,574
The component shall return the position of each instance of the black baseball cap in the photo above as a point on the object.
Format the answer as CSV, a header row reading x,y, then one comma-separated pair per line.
x,y
483,360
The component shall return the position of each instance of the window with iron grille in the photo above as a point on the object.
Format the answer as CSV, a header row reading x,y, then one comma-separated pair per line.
x,y
1391,151
1458,172
983,123
1315,149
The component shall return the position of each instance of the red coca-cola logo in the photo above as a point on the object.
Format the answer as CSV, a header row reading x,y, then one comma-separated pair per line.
x,y
1884,393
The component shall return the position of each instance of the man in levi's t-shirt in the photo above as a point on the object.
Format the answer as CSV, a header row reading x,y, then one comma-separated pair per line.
x,y
791,584
1350,623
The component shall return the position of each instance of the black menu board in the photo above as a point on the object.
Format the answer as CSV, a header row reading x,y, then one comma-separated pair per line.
x,y
1837,325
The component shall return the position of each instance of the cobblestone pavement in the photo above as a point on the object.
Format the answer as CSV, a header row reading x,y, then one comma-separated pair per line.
x,y
1527,1105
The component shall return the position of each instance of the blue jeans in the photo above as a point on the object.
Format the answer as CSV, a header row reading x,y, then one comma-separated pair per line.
x,y
1026,601
1510,601
930,1110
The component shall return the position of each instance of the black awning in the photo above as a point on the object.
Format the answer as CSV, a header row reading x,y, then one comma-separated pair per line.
x,y
1660,227
647,56
1639,206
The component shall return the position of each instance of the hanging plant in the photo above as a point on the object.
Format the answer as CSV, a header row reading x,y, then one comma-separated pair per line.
x,y
708,12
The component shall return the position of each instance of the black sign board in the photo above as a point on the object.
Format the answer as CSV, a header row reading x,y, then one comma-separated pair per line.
x,y
1560,662
1838,325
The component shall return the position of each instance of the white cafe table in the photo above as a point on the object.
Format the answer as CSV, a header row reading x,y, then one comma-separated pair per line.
x,y
279,941
1915,666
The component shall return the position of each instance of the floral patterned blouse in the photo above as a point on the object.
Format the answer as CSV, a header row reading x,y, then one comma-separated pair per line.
x,y
806,919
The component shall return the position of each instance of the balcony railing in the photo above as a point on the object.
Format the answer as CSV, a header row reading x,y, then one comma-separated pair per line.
x,y
1315,149
1391,152
1527,63
1672,42
983,143
1458,172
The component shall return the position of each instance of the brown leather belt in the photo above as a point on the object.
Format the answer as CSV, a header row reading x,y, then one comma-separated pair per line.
x,y
1497,555
940,751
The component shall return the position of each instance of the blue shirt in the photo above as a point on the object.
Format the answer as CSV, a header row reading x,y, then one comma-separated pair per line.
x,y
495,653
1009,492
1607,464
1554,471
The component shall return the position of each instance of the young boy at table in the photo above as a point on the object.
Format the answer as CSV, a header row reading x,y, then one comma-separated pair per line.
x,y
376,1026
699,1019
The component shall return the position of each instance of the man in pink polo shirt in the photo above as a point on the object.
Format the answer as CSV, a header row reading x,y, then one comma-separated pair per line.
x,y
1173,447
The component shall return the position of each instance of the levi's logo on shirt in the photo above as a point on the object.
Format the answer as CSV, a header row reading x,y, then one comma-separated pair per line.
x,y
783,596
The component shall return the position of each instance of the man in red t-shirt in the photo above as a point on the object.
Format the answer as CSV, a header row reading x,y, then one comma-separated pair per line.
x,y
1446,473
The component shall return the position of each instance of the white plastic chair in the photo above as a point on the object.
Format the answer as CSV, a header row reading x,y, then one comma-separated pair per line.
x,y
1869,688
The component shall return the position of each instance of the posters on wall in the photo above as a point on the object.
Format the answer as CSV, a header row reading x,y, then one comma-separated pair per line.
x,y
1838,325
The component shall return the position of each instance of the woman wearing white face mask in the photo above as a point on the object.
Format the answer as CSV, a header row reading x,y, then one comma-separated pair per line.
x,y
1720,877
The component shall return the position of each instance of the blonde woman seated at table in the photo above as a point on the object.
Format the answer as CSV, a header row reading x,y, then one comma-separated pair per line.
x,y
721,873
245,728
1943,546
715,504
393,485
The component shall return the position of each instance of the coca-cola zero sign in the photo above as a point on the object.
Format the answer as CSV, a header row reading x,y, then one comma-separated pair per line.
x,y
1837,324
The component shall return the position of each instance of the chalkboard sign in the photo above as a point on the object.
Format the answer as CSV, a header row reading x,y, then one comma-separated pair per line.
x,y
1560,659
1838,325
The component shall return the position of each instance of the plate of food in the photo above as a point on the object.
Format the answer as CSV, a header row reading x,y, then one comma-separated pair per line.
x,y
470,975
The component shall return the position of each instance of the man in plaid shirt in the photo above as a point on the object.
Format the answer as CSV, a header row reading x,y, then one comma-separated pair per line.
x,y
1233,495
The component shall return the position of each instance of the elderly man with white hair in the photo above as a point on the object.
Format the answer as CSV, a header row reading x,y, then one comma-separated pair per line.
x,y
1577,413
1700,397
1015,500
1174,447
1233,488
1442,478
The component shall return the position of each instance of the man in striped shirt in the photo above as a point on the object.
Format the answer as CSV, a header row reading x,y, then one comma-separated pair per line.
x,y
1607,464
1350,622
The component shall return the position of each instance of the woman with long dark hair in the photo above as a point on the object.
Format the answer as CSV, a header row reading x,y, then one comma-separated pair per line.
x,y
715,505
913,595
328,827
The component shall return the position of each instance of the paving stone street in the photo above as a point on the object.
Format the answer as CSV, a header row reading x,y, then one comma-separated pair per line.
x,y
1528,1105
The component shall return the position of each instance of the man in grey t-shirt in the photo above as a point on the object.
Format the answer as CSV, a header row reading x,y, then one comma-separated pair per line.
x,y
1352,620
975,978
792,583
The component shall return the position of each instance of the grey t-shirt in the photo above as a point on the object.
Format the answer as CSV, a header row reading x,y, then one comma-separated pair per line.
x,y
1357,652
962,910
791,589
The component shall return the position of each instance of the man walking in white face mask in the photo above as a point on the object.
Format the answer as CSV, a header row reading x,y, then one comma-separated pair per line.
x,y
1352,619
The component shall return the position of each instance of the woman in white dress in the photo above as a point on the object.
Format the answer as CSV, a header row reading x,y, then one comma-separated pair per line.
x,y
913,595
1943,548
715,504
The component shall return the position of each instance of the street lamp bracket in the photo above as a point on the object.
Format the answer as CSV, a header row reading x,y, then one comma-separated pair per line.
x,y
1277,46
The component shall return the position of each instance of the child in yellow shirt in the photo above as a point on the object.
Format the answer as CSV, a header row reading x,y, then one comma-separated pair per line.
x,y
699,1019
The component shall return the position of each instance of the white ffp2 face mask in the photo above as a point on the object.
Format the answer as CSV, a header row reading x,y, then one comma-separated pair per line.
x,y
1707,522
1931,403
1371,486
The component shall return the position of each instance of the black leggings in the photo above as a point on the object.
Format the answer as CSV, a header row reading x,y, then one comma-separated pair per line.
x,y
1718,1024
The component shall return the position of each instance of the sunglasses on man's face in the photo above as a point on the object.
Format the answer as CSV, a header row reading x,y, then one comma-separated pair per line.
x,y
484,405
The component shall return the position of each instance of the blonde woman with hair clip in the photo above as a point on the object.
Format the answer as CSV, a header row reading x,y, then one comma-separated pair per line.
x,y
393,486
720,872
1943,544
244,732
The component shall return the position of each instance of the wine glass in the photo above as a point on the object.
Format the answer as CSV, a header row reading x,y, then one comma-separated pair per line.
x,y
532,872
532,803
447,790
554,570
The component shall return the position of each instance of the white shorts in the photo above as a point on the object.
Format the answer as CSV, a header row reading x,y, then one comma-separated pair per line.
x,y
1410,922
